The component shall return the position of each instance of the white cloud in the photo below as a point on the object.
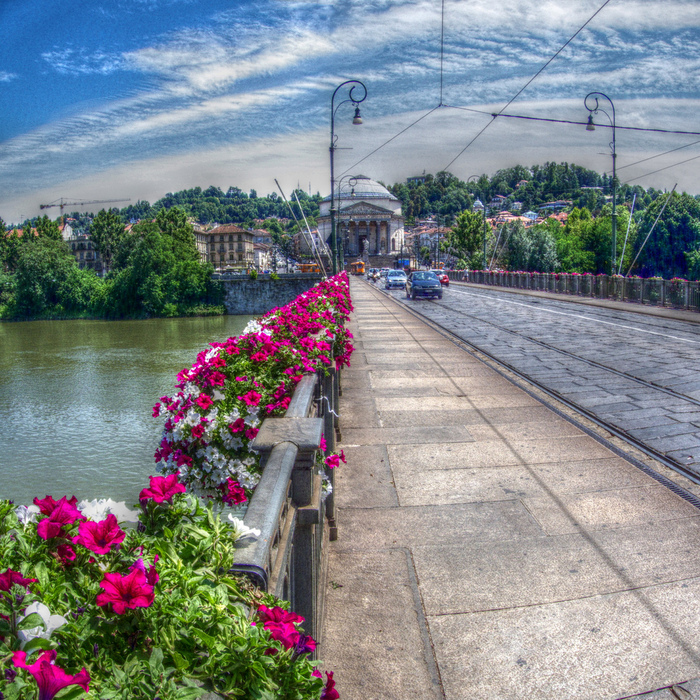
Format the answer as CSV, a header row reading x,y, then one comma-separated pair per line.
x,y
6,77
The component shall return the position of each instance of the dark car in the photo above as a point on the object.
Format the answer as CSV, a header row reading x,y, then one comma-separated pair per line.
x,y
443,277
423,283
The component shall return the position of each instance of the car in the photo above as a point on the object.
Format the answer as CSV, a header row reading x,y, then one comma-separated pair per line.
x,y
395,279
443,277
383,273
423,283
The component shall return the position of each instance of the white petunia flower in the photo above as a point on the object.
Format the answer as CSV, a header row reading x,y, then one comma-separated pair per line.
x,y
51,623
241,530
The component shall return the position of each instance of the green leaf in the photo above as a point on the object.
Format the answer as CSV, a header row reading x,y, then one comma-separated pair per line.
x,y
33,620
204,637
189,693
156,662
11,691
42,573
71,693
4,625
181,663
36,643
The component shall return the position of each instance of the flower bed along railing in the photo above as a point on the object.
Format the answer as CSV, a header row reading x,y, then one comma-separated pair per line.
x,y
106,611
676,293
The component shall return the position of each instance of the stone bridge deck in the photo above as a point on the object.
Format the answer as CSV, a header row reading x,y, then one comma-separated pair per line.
x,y
487,547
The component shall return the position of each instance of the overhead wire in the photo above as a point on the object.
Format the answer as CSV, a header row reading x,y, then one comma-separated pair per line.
x,y
530,81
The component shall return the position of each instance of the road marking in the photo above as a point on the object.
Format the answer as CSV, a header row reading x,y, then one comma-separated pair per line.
x,y
586,318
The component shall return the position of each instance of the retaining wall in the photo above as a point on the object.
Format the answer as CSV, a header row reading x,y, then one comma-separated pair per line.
x,y
246,296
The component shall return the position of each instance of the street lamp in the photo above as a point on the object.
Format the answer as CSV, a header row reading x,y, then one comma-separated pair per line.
x,y
483,204
357,119
352,181
591,127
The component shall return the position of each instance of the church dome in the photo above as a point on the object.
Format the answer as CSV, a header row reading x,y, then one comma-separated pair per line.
x,y
361,187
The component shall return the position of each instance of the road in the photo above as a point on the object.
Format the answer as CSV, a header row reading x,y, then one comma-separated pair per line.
x,y
635,372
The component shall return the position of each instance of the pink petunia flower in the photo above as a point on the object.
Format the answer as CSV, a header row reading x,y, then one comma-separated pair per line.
x,y
198,430
126,592
238,426
252,398
277,614
50,678
66,554
329,692
322,445
151,574
10,577
64,513
251,433
100,537
162,488
204,401
48,504
233,492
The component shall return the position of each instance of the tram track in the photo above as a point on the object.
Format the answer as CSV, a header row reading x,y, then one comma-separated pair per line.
x,y
589,422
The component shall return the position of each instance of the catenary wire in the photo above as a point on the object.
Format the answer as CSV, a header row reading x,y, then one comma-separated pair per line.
x,y
530,81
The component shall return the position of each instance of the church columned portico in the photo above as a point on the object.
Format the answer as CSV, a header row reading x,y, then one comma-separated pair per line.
x,y
368,218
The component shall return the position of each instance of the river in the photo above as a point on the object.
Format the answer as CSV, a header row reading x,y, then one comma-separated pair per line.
x,y
76,400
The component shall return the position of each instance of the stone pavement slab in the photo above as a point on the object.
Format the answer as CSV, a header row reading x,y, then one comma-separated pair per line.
x,y
489,549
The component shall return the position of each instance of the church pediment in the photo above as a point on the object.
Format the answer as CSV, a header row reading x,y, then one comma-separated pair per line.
x,y
365,209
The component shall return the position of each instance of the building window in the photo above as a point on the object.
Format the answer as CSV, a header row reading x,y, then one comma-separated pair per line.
x,y
230,246
240,236
240,247
230,237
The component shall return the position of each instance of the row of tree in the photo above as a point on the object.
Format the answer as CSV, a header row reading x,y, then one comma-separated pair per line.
x,y
584,242
155,270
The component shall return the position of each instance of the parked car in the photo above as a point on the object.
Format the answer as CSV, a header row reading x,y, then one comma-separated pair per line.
x,y
423,283
443,277
395,279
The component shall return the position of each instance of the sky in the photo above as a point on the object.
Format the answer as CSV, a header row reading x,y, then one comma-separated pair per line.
x,y
131,99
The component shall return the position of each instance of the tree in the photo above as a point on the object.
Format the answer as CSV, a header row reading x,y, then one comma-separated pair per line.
x,y
466,238
106,232
46,228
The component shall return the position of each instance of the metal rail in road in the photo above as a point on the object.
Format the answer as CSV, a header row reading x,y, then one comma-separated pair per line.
x,y
635,377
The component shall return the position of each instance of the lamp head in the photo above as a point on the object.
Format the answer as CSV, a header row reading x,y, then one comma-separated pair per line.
x,y
357,119
590,126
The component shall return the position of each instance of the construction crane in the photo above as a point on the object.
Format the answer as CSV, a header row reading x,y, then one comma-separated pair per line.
x,y
64,203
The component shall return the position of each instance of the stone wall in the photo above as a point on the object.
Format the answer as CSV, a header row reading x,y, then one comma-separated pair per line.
x,y
246,296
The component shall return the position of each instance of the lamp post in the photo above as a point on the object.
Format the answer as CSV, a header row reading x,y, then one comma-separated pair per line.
x,y
483,206
357,119
592,105
352,181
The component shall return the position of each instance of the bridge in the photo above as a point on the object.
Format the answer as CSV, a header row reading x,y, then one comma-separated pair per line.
x,y
519,516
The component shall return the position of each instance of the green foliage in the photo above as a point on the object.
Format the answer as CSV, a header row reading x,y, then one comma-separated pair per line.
x,y
676,233
46,228
48,281
466,238
196,635
157,271
106,232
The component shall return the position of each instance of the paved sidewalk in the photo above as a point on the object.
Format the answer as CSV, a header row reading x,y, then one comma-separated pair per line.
x,y
488,548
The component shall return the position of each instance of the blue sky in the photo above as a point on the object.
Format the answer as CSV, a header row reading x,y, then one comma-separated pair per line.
x,y
134,98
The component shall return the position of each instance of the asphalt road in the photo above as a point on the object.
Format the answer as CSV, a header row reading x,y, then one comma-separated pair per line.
x,y
636,372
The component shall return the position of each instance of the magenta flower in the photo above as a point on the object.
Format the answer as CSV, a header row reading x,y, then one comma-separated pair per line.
x,y
251,433
49,678
47,505
323,445
204,401
151,575
283,632
64,513
233,492
66,554
238,426
329,692
100,537
252,398
162,488
132,591
198,430
10,577
277,614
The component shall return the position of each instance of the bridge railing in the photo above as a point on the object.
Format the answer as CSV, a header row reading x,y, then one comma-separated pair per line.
x,y
288,506
654,291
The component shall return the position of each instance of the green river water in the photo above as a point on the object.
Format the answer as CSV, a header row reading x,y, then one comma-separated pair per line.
x,y
76,400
